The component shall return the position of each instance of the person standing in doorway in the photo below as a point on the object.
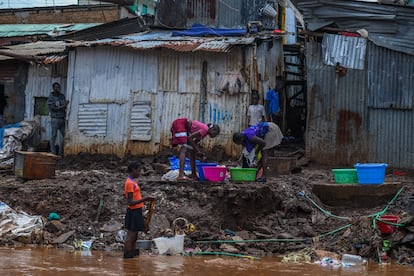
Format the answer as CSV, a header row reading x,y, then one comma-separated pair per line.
x,y
256,111
57,106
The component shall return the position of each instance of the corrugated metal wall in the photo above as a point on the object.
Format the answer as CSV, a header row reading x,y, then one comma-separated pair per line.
x,y
341,128
168,82
391,83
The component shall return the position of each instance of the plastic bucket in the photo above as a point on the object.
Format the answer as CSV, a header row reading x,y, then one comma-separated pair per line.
x,y
200,169
214,174
371,173
144,244
345,176
386,228
269,10
174,245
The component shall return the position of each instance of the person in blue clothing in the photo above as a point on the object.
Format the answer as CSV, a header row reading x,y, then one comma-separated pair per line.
x,y
260,138
272,104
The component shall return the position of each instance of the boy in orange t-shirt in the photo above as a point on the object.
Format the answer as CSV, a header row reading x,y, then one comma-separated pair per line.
x,y
134,220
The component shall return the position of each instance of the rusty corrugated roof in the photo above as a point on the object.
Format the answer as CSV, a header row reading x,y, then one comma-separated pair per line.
x,y
37,50
154,40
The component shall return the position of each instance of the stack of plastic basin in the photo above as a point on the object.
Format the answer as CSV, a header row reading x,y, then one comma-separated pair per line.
x,y
371,173
200,170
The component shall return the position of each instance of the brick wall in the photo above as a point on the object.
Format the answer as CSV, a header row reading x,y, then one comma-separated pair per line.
x,y
80,14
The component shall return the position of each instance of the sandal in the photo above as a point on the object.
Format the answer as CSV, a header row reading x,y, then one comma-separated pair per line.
x,y
261,179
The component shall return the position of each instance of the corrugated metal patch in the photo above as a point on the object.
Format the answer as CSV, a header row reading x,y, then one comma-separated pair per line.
x,y
92,119
141,121
337,126
345,50
37,48
10,30
390,78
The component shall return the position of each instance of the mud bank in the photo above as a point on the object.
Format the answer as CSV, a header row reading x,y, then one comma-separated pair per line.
x,y
88,195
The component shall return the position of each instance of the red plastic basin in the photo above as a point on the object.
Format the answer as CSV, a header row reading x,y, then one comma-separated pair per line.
x,y
386,228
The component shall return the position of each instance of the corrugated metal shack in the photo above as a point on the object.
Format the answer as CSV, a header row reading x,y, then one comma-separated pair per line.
x,y
360,90
126,92
27,72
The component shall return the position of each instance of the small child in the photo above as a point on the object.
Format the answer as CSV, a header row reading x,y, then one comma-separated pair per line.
x,y
256,112
134,219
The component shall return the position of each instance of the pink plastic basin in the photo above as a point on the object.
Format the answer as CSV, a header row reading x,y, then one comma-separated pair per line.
x,y
214,174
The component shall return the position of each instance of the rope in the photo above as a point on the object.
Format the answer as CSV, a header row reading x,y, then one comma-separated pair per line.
x,y
375,215
389,203
250,241
327,213
280,240
334,231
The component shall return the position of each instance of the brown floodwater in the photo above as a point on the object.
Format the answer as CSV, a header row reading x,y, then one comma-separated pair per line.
x,y
44,261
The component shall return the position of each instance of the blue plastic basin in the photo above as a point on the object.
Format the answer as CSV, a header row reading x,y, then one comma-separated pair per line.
x,y
371,173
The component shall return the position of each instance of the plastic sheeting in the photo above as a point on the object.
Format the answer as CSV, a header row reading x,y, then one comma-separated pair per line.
x,y
13,138
388,26
15,224
201,30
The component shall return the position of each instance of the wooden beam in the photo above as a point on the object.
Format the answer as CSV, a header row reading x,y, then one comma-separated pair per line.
x,y
298,15
21,57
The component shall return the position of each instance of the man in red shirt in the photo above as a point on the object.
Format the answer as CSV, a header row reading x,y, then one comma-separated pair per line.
x,y
134,220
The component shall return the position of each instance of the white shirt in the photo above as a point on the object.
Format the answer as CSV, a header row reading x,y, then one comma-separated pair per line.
x,y
255,113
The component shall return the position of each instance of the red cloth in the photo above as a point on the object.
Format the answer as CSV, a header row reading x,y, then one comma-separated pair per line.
x,y
351,34
179,132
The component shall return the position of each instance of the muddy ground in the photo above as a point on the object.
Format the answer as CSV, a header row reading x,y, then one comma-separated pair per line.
x,y
251,210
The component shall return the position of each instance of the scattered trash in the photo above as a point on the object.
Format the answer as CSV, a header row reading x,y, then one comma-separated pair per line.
x,y
53,216
83,245
173,175
229,232
302,256
181,226
17,224
351,260
120,236
330,262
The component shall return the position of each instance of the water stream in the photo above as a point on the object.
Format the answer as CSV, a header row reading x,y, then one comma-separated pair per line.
x,y
49,261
